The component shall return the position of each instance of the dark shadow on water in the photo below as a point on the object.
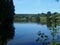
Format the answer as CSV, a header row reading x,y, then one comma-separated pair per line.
x,y
6,33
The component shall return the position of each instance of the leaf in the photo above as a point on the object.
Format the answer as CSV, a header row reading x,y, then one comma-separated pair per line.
x,y
41,36
46,36
39,33
37,39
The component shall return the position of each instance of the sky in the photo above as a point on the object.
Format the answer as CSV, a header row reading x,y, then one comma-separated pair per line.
x,y
36,6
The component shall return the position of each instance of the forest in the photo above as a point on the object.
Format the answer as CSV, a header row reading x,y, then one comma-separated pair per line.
x,y
43,17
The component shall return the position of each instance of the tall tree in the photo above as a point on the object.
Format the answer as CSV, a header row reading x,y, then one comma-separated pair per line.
x,y
6,11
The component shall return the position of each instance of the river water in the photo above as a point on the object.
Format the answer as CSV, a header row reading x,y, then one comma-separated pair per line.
x,y
35,34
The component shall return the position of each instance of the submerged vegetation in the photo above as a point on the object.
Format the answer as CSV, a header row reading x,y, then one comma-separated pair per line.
x,y
45,39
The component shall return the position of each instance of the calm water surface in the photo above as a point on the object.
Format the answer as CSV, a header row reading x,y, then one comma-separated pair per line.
x,y
27,34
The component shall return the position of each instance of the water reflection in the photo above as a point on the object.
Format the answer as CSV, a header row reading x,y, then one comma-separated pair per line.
x,y
6,33
53,38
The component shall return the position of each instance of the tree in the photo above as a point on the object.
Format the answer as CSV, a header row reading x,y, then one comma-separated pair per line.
x,y
6,11
6,21
49,13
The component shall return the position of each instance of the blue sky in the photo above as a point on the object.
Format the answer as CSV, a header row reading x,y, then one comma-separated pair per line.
x,y
36,6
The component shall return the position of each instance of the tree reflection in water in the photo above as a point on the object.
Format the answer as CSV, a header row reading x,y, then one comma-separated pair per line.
x,y
6,33
45,39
